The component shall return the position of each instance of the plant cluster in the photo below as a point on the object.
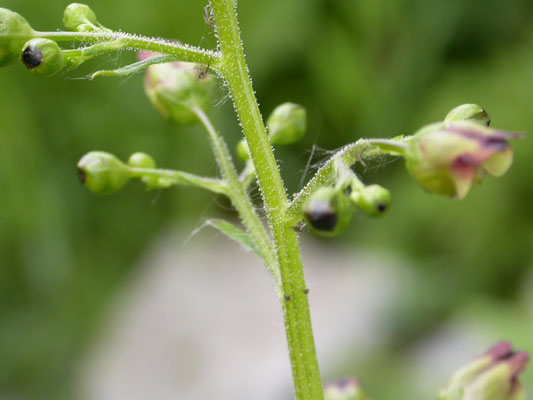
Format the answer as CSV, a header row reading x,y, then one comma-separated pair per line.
x,y
446,158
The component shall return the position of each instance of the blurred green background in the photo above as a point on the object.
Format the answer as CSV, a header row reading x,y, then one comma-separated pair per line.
x,y
362,68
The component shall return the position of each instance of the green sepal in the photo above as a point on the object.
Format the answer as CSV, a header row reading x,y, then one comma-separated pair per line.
x,y
133,68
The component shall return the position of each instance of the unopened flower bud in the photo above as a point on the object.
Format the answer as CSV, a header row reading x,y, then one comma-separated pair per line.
x,y
492,376
77,14
468,112
243,151
448,159
374,200
328,211
141,160
344,389
43,57
103,173
286,125
176,88
14,32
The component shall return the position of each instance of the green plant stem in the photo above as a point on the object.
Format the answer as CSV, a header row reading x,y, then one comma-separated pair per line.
x,y
173,177
134,42
348,156
233,68
239,197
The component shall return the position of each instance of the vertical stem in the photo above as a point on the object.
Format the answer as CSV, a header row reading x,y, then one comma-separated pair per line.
x,y
295,306
238,196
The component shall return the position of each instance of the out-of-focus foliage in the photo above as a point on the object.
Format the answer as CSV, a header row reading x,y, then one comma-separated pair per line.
x,y
361,68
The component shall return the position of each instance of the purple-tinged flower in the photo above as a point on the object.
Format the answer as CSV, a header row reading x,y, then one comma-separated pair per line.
x,y
491,376
447,158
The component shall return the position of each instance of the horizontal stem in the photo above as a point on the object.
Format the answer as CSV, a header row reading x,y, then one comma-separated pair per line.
x,y
133,42
172,177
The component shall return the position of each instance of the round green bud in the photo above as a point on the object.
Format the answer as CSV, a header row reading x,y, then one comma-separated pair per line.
x,y
328,211
243,151
176,88
77,14
286,125
43,57
141,160
468,112
14,32
103,173
374,200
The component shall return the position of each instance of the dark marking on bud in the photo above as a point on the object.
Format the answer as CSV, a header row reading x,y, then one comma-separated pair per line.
x,y
288,298
306,291
82,175
382,207
32,57
348,190
322,217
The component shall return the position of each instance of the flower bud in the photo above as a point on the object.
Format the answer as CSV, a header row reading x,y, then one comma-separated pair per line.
x,y
448,159
344,389
43,57
468,112
492,376
243,151
103,173
286,125
175,88
14,32
374,200
328,211
141,160
77,14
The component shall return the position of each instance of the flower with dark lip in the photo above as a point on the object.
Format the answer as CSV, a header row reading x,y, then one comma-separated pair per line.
x,y
491,376
447,158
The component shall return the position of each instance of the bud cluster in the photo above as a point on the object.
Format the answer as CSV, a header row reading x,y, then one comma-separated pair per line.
x,y
103,173
328,211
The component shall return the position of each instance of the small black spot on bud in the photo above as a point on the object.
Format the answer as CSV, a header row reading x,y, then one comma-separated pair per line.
x,y
382,207
306,291
288,298
32,57
82,175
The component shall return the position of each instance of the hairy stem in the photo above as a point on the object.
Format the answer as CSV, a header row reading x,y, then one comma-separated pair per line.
x,y
173,177
295,305
129,41
348,155
239,197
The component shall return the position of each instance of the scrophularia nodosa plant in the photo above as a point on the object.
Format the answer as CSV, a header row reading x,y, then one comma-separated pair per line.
x,y
446,158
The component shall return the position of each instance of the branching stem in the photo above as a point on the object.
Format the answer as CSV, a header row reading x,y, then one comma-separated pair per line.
x,y
233,68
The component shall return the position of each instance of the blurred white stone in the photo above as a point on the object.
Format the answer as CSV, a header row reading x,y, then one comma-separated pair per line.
x,y
201,320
